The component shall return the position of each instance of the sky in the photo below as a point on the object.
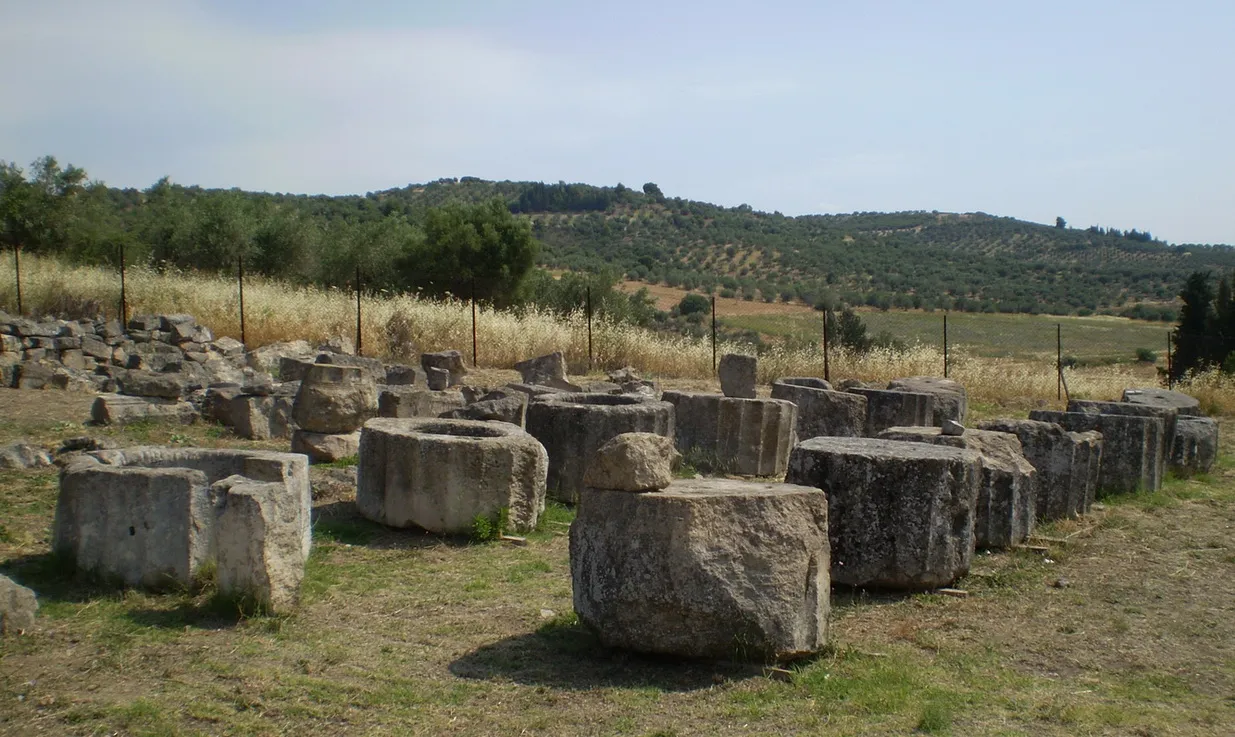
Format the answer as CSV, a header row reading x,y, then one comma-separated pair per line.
x,y
1115,113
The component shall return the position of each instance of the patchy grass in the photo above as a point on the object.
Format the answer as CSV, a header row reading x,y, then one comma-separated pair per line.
x,y
1124,629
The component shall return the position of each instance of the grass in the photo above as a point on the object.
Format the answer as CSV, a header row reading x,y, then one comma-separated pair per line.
x,y
1005,359
402,632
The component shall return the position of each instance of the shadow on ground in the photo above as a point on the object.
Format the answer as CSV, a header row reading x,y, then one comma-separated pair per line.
x,y
569,657
340,522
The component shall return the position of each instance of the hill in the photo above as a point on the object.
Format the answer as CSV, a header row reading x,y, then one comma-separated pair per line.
x,y
970,262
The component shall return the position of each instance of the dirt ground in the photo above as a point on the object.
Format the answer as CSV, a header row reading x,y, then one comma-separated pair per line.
x,y
1123,624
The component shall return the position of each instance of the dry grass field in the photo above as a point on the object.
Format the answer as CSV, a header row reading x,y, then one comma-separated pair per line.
x,y
1124,626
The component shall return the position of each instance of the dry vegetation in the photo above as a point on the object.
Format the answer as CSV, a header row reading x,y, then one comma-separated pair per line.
x,y
399,325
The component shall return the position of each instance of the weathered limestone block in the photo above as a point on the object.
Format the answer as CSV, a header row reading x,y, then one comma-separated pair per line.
x,y
373,369
267,357
807,381
261,417
547,371
260,548
150,384
23,456
334,399
572,427
1067,464
18,607
1168,415
441,474
147,516
407,401
886,408
900,514
951,400
705,568
1196,445
1131,447
512,409
822,411
632,461
1180,402
536,390
118,409
1007,495
749,437
451,361
294,368
738,375
34,374
398,374
323,447
437,379
339,345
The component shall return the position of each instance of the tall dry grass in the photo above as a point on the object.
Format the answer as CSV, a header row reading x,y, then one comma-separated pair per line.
x,y
399,326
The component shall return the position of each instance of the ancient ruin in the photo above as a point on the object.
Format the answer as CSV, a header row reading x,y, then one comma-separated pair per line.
x,y
748,437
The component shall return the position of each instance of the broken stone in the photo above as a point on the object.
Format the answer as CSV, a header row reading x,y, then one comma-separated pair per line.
x,y
951,400
1067,464
1131,447
632,461
118,409
24,456
260,547
437,379
706,568
748,437
886,409
326,447
451,361
953,428
511,409
339,344
738,375
334,399
1196,445
1153,397
407,401
547,371
822,412
18,607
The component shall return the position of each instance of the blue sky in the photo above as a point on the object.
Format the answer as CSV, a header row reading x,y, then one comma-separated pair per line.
x,y
1110,113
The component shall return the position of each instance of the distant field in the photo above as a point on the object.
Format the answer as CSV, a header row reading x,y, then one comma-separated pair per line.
x,y
1089,339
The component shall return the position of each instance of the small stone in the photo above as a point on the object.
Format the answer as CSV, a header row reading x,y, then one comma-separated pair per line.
x,y
738,375
1062,583
633,461
437,379
18,606
953,428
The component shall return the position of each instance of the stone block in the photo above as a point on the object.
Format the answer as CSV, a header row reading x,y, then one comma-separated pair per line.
x,y
1132,450
437,379
901,515
1153,397
293,368
1067,464
407,401
18,607
632,461
822,412
139,383
512,409
400,375
547,371
810,382
738,375
451,361
34,374
373,369
1168,415
887,408
572,427
1007,496
1195,447
748,437
707,568
260,544
951,400
326,447
24,456
441,475
334,399
118,409
260,417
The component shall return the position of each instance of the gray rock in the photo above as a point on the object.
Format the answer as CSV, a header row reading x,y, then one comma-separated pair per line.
x,y
96,348
738,375
267,357
260,544
951,400
886,409
23,456
398,374
294,368
602,387
901,515
1195,447
18,607
1153,397
705,568
34,374
547,371
1067,464
632,461
326,447
748,437
407,401
118,409
340,345
511,409
374,369
847,384
437,379
572,427
148,384
952,428
260,417
1168,415
535,390
9,370
441,475
228,347
147,516
822,412
807,381
1132,450
1007,498
451,361
10,344
624,375
334,400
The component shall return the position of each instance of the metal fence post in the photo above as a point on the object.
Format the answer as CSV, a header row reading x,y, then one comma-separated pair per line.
x,y
1058,361
945,345
713,334
1170,372
589,328
359,335
124,300
240,280
826,368
473,322
17,276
